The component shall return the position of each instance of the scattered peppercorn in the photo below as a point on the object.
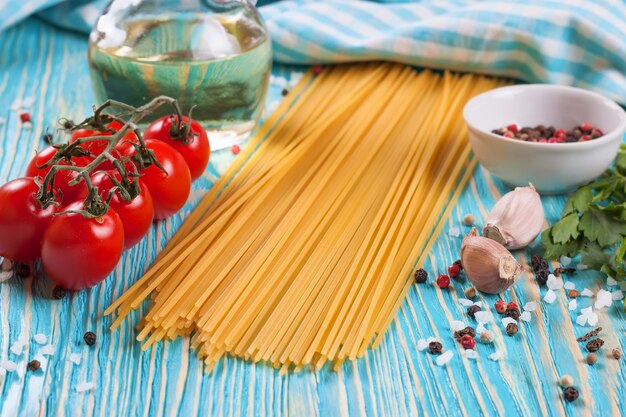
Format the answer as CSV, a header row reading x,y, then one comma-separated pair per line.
x,y
454,271
473,309
542,276
513,313
468,219
316,69
468,342
616,353
511,329
466,331
235,149
58,293
512,305
487,336
573,293
435,348
566,381
22,270
443,281
594,345
470,292
284,92
34,365
591,358
459,264
25,117
420,276
538,263
559,271
589,335
90,338
500,306
570,394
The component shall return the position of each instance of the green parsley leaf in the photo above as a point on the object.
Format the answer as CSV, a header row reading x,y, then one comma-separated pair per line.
x,y
597,226
566,229
581,199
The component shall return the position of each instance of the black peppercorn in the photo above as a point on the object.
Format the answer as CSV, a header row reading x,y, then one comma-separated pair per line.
x,y
90,338
58,293
34,365
285,92
594,345
570,394
459,264
513,313
511,329
420,276
542,276
48,138
472,310
468,330
435,348
22,270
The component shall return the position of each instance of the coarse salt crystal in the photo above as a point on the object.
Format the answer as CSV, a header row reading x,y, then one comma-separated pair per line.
x,y
421,345
480,328
3,371
465,302
47,350
16,105
530,306
10,366
586,292
456,325
508,320
471,354
565,260
431,339
610,282
617,295
482,316
586,311
479,304
573,305
272,106
28,102
525,316
85,386
280,81
582,267
496,356
40,338
75,358
569,285
603,299
592,320
454,231
17,348
581,320
554,283
549,297
444,357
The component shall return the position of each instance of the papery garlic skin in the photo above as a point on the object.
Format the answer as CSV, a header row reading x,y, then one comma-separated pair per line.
x,y
517,218
488,264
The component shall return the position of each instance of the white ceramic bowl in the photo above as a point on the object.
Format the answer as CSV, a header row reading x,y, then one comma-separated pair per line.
x,y
551,167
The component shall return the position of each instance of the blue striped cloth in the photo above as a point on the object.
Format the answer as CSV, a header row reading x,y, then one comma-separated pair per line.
x,y
572,42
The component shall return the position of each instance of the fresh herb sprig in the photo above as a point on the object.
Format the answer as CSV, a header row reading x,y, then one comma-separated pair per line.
x,y
593,223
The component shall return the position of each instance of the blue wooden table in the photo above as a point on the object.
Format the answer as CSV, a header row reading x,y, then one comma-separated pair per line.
x,y
395,380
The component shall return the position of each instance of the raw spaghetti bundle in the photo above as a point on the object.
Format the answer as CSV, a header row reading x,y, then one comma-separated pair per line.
x,y
303,251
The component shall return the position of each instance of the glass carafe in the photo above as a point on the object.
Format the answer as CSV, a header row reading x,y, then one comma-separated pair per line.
x,y
211,54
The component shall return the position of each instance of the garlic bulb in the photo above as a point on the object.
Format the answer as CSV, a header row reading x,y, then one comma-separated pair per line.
x,y
516,219
488,264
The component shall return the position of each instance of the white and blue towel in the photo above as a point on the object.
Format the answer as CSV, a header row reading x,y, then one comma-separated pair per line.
x,y
572,42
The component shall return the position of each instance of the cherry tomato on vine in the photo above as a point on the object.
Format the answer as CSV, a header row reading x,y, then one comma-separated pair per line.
x,y
70,193
136,215
196,151
96,147
79,252
169,190
22,220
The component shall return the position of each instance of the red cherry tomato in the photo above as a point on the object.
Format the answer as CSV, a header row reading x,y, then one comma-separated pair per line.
x,y
22,220
78,252
136,215
169,191
196,152
96,147
71,193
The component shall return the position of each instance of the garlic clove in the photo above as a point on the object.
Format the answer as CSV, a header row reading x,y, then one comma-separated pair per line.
x,y
517,218
488,264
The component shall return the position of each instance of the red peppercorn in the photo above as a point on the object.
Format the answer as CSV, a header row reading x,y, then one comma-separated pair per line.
x,y
508,135
500,306
25,117
454,270
468,342
316,69
553,140
512,127
235,149
560,133
585,138
586,127
512,305
543,140
443,281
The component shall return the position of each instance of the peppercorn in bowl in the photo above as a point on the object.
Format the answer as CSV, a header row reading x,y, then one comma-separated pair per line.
x,y
553,136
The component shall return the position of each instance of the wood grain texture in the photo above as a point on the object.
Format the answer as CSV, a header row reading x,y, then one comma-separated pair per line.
x,y
168,380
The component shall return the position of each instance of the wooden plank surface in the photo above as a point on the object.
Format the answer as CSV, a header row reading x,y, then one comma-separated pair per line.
x,y
394,380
